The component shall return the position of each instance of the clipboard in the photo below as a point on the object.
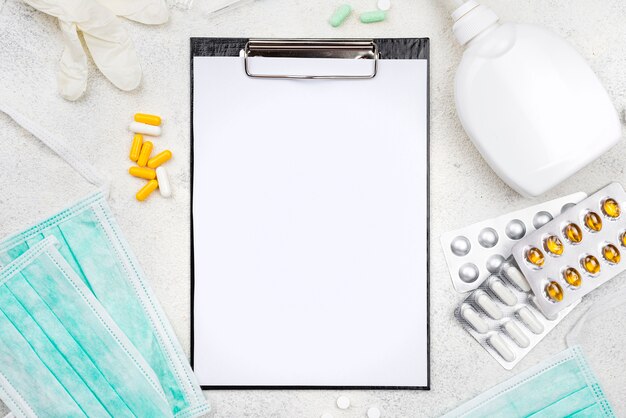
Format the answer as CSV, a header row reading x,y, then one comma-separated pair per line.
x,y
310,213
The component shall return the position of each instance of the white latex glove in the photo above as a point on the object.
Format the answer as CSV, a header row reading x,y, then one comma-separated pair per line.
x,y
107,40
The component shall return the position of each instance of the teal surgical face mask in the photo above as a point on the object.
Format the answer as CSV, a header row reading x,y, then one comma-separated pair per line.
x,y
62,355
79,260
563,386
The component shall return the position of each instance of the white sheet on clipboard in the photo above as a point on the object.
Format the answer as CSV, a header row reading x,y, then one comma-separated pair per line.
x,y
310,225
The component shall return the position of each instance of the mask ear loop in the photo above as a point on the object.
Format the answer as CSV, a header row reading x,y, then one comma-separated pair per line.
x,y
57,145
596,309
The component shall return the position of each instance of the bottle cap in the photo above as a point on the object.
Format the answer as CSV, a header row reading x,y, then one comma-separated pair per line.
x,y
470,19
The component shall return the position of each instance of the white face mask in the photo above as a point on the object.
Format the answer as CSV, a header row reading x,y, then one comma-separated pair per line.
x,y
562,386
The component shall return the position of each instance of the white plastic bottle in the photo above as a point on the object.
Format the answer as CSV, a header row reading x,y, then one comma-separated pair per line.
x,y
529,102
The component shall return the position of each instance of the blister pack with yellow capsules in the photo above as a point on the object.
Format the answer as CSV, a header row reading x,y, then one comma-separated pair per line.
x,y
577,251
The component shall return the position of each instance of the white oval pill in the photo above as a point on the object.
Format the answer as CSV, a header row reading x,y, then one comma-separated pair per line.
x,y
530,320
503,292
500,346
384,5
373,412
516,334
489,306
343,402
471,316
514,275
165,187
144,128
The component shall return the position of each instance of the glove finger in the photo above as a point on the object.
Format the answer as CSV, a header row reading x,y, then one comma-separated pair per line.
x,y
114,53
108,42
148,12
72,73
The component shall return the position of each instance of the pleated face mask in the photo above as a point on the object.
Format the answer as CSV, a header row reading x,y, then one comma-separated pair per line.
x,y
81,333
563,386
62,354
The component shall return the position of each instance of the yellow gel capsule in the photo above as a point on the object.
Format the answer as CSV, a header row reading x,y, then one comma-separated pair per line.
x,y
611,208
623,239
554,291
591,264
593,221
611,254
535,256
573,233
148,119
142,172
145,191
144,155
159,159
135,148
553,245
572,277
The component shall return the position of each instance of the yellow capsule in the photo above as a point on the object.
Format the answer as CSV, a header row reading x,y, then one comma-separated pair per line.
x,y
573,233
553,245
148,119
142,172
611,208
135,148
554,291
535,256
593,221
145,191
591,264
144,155
623,238
159,159
611,254
572,277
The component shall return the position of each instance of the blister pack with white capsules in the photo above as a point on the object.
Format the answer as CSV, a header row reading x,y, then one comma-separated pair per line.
x,y
577,251
503,317
477,251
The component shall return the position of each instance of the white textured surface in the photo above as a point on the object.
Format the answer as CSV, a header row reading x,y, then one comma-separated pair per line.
x,y
34,183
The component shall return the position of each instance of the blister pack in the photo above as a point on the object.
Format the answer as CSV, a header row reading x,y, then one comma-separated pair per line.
x,y
502,316
576,252
477,251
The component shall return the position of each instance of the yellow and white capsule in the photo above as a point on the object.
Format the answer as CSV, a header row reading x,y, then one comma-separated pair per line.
x,y
142,173
159,159
144,155
135,148
146,190
148,119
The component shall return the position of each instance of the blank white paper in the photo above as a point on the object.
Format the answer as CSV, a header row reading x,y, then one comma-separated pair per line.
x,y
310,225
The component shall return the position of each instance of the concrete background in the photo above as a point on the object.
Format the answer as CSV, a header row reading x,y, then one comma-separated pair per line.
x,y
35,183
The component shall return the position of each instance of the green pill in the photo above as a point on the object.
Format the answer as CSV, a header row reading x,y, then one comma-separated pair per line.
x,y
340,15
375,16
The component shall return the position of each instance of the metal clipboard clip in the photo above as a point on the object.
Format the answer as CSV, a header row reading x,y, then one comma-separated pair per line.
x,y
311,48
